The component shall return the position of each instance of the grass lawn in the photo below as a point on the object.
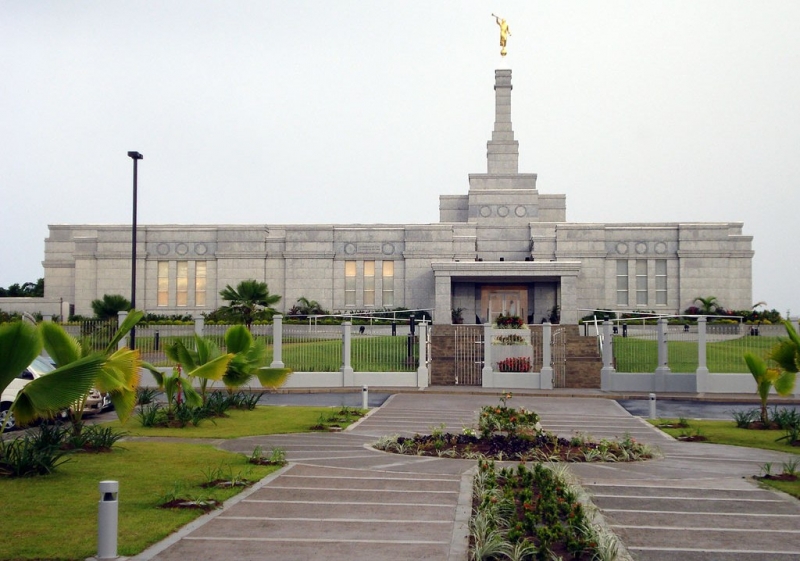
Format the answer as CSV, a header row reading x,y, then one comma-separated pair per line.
x,y
55,516
726,432
264,419
641,355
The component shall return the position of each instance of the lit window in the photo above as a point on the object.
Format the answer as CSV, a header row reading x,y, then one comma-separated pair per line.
x,y
661,282
369,283
349,283
163,283
182,294
622,283
641,282
388,284
200,283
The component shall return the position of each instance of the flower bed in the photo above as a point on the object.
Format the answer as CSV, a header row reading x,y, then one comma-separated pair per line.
x,y
532,514
505,433
515,364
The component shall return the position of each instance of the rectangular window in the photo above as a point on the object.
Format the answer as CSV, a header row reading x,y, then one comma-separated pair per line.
x,y
163,283
349,283
388,284
622,283
661,282
200,283
369,283
641,282
182,285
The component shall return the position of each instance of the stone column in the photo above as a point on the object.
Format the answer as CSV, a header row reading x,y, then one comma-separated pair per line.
x,y
701,374
569,300
277,342
546,376
443,299
347,368
608,370
502,151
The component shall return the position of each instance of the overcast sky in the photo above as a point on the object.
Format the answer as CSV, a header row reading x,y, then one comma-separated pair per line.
x,y
365,112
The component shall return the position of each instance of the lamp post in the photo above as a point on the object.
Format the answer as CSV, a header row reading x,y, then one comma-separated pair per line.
x,y
136,156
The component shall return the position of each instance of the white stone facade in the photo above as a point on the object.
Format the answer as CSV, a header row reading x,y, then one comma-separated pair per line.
x,y
500,247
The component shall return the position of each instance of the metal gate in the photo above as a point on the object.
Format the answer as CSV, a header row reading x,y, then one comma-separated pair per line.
x,y
558,357
468,355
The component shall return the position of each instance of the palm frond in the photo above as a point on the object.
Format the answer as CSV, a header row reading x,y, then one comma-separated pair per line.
x,y
273,377
238,339
62,347
133,317
20,343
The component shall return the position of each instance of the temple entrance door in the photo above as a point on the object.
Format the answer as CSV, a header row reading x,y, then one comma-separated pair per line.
x,y
506,300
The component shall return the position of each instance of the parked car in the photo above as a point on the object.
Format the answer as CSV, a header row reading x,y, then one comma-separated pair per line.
x,y
41,366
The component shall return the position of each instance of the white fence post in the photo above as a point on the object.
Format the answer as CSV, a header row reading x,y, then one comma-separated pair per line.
x,y
277,342
121,318
608,370
422,369
546,374
662,369
199,326
487,374
701,374
347,369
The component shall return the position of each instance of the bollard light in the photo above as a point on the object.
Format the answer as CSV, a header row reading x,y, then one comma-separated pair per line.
x,y
364,397
107,520
653,406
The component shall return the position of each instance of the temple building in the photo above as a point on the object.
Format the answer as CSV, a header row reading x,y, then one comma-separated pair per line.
x,y
502,247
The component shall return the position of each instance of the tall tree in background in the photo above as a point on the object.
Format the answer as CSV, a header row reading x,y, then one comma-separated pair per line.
x,y
250,300
28,289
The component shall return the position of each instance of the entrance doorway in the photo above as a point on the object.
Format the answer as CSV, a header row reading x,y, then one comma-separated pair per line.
x,y
506,300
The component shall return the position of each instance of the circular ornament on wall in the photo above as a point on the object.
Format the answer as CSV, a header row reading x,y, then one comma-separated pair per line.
x,y
387,249
520,211
162,248
349,249
502,211
200,248
622,248
181,249
486,211
661,247
641,247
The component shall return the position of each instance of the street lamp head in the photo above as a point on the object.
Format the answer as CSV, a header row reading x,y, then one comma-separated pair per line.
x,y
135,155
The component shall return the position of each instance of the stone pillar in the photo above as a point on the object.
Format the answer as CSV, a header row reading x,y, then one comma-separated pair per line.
x,y
502,151
422,369
608,370
662,369
277,342
347,368
199,326
701,374
487,374
546,376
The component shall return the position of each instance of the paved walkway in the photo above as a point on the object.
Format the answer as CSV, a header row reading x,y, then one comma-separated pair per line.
x,y
341,499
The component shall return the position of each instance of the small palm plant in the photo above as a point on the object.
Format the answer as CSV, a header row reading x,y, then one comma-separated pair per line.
x,y
786,355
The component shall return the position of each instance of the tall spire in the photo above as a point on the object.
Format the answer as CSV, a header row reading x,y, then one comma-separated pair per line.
x,y
502,151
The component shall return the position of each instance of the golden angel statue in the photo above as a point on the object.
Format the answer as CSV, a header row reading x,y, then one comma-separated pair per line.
x,y
504,33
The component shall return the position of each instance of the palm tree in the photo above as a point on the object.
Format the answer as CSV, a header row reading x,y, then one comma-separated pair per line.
x,y
787,355
249,359
205,362
709,305
110,306
249,300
